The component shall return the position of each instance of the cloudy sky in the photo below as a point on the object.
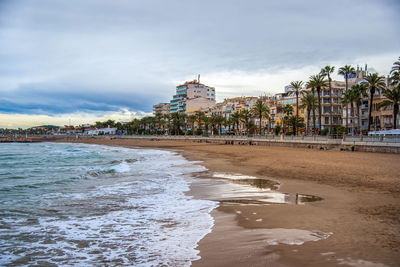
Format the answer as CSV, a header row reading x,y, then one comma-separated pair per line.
x,y
79,61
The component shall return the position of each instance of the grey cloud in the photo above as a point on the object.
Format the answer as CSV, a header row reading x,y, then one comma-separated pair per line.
x,y
138,47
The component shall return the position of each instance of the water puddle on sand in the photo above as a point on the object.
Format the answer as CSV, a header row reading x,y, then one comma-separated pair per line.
x,y
250,190
292,236
352,262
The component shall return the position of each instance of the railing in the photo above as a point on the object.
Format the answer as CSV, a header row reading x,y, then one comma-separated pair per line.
x,y
338,140
280,138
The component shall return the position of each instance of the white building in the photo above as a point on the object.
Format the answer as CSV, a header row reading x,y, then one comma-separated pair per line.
x,y
189,91
101,131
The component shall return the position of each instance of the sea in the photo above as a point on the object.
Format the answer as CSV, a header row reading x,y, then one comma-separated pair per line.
x,y
64,204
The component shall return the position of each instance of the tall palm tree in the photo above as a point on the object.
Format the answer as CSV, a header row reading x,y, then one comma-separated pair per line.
x,y
267,115
259,109
348,98
327,71
358,92
296,89
347,71
236,120
311,85
319,82
393,99
373,82
245,116
308,101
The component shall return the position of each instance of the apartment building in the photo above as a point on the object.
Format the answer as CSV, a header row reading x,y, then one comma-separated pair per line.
x,y
161,108
275,104
191,97
382,118
333,118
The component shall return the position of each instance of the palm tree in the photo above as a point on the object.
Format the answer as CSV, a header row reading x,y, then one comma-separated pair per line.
x,y
158,119
178,120
311,85
348,98
395,74
373,82
308,102
396,66
393,99
358,92
318,81
326,71
346,71
296,89
287,111
236,120
218,120
245,116
199,118
191,120
259,110
267,116
207,122
227,124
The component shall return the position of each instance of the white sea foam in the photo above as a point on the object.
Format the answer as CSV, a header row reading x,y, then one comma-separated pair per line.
x,y
122,167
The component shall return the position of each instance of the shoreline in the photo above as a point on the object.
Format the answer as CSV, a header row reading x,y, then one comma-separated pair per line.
x,y
361,211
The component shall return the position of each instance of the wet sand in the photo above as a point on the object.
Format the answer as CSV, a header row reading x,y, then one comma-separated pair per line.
x,y
360,206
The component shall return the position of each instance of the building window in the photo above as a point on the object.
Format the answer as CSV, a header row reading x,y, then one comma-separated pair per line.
x,y
326,120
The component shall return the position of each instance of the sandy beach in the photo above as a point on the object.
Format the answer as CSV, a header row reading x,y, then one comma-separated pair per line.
x,y
357,222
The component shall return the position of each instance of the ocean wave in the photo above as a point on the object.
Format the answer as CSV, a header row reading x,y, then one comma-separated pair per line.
x,y
79,216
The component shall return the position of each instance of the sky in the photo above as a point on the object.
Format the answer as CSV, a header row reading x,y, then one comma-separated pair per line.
x,y
73,61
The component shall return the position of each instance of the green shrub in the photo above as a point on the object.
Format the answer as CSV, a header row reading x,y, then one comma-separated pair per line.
x,y
325,131
277,130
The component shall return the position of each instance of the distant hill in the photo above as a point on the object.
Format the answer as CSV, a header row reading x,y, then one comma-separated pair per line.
x,y
49,127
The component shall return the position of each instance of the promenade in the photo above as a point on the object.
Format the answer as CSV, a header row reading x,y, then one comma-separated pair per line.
x,y
347,143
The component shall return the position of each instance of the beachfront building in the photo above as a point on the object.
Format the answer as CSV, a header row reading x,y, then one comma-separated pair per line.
x,y
382,117
161,108
328,118
101,131
362,115
275,104
198,104
334,100
230,106
191,97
